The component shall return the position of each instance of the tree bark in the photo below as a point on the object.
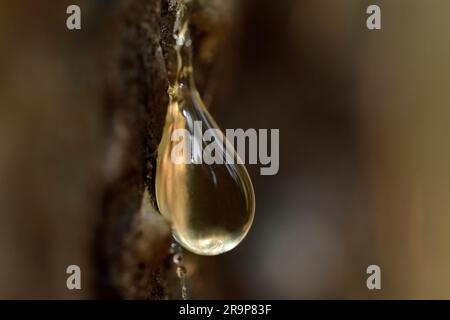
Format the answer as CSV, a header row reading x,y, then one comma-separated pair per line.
x,y
85,112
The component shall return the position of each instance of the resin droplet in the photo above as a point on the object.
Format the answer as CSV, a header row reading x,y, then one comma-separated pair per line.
x,y
211,206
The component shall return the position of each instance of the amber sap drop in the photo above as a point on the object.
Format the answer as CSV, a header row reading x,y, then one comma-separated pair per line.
x,y
211,207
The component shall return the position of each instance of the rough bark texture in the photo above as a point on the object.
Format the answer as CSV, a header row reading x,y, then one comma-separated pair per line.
x,y
133,240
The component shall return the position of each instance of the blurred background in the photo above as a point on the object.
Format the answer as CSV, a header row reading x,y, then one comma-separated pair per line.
x,y
364,149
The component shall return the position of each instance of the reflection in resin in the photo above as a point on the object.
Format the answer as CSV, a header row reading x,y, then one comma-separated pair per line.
x,y
211,207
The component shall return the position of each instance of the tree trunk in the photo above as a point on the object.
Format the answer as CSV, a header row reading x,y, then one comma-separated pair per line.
x,y
85,115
